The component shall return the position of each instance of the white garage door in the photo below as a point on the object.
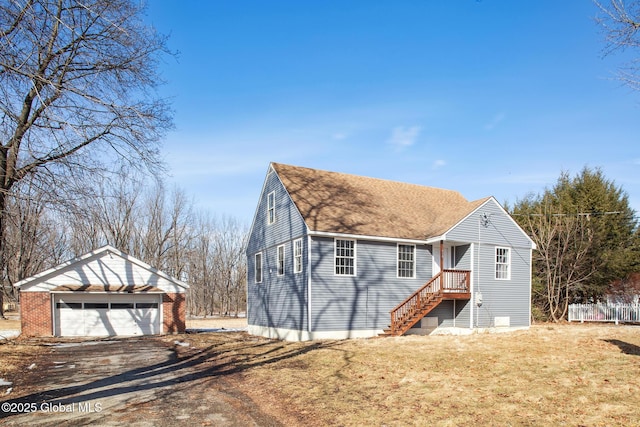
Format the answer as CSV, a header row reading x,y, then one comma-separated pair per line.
x,y
106,315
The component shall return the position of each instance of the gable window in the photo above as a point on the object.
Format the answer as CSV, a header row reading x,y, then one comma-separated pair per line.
x,y
406,260
297,256
280,260
503,263
258,268
345,257
271,207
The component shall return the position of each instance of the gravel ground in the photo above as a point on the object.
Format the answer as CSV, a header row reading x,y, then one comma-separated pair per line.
x,y
146,381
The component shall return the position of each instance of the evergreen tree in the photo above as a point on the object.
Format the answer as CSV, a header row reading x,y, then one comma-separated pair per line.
x,y
587,237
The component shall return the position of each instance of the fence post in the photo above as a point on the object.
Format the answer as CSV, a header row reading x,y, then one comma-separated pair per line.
x,y
617,306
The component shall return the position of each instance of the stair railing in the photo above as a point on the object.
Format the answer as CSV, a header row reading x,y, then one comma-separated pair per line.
x,y
445,282
410,306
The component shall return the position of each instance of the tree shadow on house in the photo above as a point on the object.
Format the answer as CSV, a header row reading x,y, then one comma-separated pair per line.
x,y
625,347
340,203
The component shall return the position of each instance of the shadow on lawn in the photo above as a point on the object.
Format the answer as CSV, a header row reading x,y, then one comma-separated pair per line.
x,y
625,347
230,356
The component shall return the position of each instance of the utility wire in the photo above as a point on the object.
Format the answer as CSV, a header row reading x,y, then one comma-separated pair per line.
x,y
577,214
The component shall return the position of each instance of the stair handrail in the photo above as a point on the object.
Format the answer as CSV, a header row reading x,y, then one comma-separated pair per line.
x,y
412,303
455,281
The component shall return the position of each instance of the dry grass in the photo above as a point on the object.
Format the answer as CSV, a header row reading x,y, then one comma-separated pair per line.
x,y
550,375
15,358
12,322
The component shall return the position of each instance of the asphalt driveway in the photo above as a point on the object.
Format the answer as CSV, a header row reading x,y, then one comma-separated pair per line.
x,y
144,381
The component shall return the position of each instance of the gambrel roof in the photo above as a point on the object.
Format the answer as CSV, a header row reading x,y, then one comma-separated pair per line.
x,y
341,203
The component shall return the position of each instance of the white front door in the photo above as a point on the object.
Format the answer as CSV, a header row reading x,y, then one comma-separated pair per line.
x,y
447,252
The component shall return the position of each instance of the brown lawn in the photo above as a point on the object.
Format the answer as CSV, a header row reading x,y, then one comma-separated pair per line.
x,y
550,375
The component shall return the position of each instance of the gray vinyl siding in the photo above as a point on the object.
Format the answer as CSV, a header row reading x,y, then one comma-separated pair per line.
x,y
279,301
500,229
463,257
450,314
365,300
501,298
318,300
288,224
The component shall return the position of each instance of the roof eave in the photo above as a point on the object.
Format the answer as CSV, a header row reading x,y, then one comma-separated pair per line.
x,y
106,248
316,233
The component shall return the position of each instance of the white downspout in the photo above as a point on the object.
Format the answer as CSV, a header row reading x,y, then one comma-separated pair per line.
x,y
309,283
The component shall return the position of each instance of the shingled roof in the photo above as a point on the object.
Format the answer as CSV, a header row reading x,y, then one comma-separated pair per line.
x,y
349,204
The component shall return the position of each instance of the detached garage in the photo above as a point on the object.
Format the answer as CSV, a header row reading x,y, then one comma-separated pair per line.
x,y
103,293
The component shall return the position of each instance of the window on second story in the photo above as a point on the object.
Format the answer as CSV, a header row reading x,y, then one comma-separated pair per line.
x,y
503,263
406,260
297,256
345,257
280,260
271,207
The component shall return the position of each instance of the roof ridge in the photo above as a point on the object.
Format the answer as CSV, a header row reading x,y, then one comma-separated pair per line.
x,y
343,203
351,175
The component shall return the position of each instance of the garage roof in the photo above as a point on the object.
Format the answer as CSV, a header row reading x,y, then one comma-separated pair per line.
x,y
122,289
98,266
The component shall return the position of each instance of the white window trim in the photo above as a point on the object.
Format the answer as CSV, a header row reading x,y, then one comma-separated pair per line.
x,y
413,272
271,208
255,268
297,257
508,264
280,262
355,257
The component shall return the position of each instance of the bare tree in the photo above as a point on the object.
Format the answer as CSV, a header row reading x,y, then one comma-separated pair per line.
x,y
217,267
620,22
201,301
229,264
164,230
561,259
586,238
77,89
33,240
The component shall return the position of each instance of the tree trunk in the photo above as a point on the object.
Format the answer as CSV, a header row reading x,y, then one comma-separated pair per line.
x,y
3,260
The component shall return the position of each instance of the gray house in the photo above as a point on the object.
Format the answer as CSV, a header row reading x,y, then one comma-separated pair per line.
x,y
332,255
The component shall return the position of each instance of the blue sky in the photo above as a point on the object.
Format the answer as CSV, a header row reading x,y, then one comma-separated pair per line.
x,y
490,97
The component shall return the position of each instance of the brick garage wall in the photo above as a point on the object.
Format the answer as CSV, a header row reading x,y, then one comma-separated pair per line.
x,y
173,309
35,314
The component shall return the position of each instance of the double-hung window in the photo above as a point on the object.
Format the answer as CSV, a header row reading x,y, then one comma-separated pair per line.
x,y
345,257
258,268
406,260
503,263
280,260
271,207
297,256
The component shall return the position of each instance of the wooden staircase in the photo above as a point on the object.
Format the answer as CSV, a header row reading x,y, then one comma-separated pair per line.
x,y
446,285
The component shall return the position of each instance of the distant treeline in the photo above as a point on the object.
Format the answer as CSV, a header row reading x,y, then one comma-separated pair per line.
x,y
143,219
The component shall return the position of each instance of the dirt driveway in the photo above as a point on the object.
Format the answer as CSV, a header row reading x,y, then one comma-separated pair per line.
x,y
146,381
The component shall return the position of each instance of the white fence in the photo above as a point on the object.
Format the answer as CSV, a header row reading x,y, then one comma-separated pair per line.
x,y
627,313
